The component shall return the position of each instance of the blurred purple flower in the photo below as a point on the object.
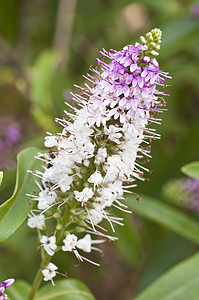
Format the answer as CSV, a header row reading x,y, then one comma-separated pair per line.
x,y
10,135
2,144
195,9
192,186
4,285
13,134
183,192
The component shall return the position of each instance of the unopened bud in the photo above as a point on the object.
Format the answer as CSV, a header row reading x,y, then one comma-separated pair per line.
x,y
79,229
157,47
59,227
56,215
154,53
143,40
149,36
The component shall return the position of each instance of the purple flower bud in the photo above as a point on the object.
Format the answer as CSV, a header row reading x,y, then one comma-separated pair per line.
x,y
4,285
8,282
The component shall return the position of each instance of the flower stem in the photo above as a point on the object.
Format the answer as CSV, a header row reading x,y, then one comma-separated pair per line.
x,y
47,258
38,277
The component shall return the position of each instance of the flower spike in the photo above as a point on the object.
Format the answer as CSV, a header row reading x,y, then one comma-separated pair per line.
x,y
96,158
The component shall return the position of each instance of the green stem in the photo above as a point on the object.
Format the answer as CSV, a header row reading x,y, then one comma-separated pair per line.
x,y
38,277
47,258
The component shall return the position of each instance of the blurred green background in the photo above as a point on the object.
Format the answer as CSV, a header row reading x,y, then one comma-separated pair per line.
x,y
45,47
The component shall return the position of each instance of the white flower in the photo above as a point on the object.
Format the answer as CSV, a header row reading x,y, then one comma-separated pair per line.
x,y
49,244
96,214
101,156
116,188
84,195
80,129
57,175
87,150
65,183
113,133
46,198
36,221
49,272
86,242
96,178
51,141
70,243
107,197
116,168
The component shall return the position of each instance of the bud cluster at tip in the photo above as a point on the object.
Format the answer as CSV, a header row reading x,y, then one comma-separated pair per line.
x,y
152,41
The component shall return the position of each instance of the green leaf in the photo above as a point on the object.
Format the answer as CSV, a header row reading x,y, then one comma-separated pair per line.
x,y
159,260
15,210
180,283
43,74
68,289
167,216
191,169
129,243
19,291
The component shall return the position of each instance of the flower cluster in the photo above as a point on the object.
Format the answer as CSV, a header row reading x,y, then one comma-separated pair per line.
x,y
183,192
3,286
92,162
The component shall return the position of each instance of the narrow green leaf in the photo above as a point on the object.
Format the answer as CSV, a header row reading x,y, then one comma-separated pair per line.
x,y
14,211
19,291
43,74
167,216
129,243
191,170
180,283
160,261
68,289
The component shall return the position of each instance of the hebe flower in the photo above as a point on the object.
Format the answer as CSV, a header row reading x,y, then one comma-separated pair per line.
x,y
49,272
92,162
183,192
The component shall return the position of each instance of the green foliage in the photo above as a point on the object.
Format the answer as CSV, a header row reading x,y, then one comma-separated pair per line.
x,y
167,216
8,10
19,291
191,169
43,74
129,244
15,210
68,289
180,283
